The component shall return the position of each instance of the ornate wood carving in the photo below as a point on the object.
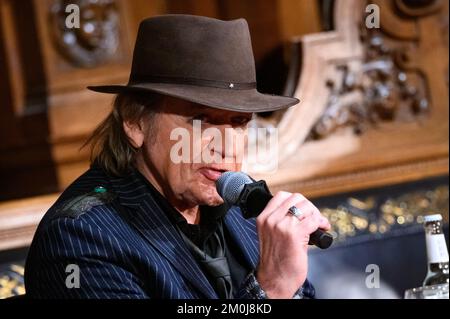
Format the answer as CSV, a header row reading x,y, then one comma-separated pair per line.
x,y
381,89
394,78
48,112
96,40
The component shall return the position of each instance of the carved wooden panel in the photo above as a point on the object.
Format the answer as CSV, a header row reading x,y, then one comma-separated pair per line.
x,y
374,102
98,52
45,67
25,152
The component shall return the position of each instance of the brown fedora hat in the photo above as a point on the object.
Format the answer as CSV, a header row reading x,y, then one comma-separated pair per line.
x,y
199,59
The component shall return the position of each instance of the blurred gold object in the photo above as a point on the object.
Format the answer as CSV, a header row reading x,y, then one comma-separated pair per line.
x,y
369,215
367,204
11,281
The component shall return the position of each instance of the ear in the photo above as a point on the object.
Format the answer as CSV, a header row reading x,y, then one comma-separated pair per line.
x,y
134,132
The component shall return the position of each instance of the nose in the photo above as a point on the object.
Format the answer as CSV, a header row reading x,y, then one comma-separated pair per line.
x,y
233,144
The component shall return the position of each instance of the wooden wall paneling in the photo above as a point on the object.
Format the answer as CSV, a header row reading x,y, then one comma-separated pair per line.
x,y
49,83
389,150
298,18
26,166
263,20
138,10
73,110
19,220
207,8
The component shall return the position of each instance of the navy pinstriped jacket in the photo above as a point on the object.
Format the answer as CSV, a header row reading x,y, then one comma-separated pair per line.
x,y
125,246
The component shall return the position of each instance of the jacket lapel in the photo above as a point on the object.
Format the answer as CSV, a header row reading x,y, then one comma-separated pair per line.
x,y
154,225
243,232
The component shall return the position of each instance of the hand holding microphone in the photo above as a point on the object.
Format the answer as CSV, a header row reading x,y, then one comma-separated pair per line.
x,y
284,224
237,188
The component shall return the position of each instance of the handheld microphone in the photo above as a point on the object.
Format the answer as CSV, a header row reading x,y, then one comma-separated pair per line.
x,y
239,189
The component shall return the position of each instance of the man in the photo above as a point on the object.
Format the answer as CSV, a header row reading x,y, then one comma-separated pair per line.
x,y
139,225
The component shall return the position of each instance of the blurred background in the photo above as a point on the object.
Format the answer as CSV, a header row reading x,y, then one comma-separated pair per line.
x,y
368,143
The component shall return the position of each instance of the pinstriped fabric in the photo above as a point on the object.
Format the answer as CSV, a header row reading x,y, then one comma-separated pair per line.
x,y
123,251
124,248
244,232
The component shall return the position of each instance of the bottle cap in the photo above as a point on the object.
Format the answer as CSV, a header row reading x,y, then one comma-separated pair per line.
x,y
432,218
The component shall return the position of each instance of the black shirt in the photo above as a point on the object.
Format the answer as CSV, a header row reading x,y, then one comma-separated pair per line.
x,y
210,244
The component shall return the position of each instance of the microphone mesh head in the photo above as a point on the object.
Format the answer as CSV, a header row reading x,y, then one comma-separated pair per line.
x,y
230,185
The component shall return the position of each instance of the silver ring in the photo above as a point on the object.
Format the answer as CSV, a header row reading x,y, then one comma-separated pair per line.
x,y
295,211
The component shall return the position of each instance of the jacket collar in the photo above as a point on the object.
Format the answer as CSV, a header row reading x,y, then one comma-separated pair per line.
x,y
155,226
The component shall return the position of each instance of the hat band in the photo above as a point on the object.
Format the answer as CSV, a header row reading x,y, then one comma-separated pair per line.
x,y
193,81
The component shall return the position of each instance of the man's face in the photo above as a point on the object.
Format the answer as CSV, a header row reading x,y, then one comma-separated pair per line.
x,y
192,182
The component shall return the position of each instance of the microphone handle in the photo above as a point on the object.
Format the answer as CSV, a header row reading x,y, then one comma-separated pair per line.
x,y
254,198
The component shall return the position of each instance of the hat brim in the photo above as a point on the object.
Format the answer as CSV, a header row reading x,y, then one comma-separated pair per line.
x,y
248,101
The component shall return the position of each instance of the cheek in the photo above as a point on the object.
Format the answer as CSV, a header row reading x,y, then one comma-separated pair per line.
x,y
179,174
160,145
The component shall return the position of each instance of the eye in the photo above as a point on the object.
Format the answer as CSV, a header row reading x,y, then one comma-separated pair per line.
x,y
240,120
200,117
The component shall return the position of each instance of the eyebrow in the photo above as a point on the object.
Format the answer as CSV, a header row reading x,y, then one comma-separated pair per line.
x,y
198,109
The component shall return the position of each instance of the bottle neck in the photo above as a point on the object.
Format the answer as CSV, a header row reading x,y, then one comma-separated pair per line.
x,y
437,252
438,267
